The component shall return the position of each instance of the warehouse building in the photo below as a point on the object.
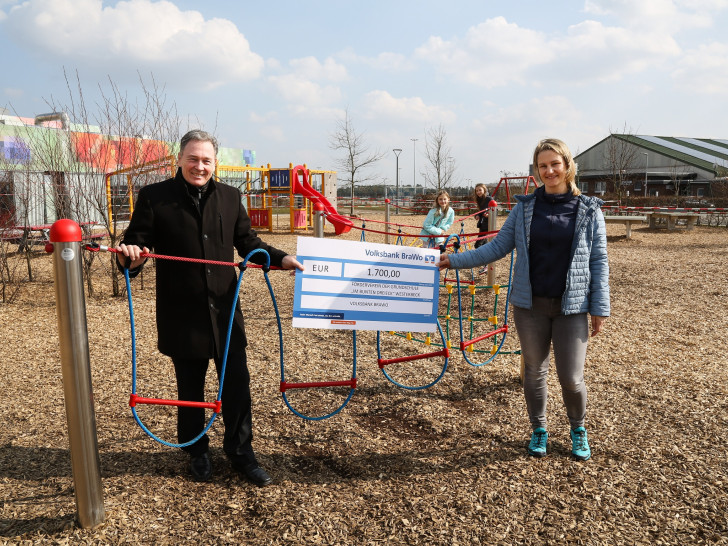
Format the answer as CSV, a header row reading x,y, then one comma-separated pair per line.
x,y
653,165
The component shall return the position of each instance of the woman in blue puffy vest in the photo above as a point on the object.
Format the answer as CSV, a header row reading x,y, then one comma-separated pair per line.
x,y
561,277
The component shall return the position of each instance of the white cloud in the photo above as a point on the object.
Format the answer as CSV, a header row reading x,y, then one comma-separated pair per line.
x,y
592,52
492,54
385,61
13,92
380,104
267,117
178,46
304,88
313,69
274,133
704,70
304,92
497,53
3,5
549,113
668,16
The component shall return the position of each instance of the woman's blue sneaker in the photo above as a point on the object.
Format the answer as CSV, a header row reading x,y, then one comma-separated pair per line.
x,y
579,444
537,445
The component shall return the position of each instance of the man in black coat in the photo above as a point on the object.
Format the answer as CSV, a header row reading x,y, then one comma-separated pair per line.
x,y
194,216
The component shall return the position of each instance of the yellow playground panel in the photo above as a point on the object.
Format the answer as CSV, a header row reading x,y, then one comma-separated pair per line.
x,y
266,190
275,184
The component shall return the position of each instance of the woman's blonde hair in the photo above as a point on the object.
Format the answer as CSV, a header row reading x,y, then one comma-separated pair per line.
x,y
437,205
558,146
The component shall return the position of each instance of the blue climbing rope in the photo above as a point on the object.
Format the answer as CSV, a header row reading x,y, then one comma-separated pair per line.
x,y
242,266
337,410
418,387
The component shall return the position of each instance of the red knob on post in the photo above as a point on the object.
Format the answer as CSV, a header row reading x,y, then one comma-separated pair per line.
x,y
65,231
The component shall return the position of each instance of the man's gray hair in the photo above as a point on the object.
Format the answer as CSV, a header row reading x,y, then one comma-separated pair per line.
x,y
199,135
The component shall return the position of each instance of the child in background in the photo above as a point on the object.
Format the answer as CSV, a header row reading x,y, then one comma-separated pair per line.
x,y
482,200
438,220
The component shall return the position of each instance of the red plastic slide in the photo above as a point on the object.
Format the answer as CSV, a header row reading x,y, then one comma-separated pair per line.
x,y
341,224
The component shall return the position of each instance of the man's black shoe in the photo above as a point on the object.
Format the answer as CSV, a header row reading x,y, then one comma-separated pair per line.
x,y
252,472
201,467
255,474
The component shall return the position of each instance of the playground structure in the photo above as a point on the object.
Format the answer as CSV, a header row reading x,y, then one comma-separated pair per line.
x,y
261,186
507,181
66,237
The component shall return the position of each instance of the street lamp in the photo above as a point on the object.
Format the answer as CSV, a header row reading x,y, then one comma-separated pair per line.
x,y
397,151
414,166
646,163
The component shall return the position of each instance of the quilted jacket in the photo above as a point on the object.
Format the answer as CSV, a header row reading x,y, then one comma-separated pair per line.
x,y
587,280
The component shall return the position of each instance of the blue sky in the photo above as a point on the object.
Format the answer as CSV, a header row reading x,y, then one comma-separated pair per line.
x,y
498,76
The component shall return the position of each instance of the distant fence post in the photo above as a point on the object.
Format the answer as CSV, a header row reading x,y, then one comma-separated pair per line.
x,y
386,220
65,243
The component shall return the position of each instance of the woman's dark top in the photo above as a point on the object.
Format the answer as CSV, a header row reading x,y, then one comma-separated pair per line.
x,y
552,233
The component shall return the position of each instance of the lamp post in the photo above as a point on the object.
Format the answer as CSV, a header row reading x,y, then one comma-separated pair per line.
x,y
414,166
646,163
397,151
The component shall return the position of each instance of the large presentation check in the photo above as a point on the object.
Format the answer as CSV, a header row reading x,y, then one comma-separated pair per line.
x,y
350,285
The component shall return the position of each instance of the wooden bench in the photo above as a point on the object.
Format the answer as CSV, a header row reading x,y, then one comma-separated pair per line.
x,y
671,218
627,221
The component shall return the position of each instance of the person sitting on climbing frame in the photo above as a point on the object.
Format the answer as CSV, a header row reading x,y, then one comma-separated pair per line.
x,y
438,220
561,275
193,215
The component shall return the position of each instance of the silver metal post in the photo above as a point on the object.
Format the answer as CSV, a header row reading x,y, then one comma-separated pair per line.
x,y
65,235
492,226
318,220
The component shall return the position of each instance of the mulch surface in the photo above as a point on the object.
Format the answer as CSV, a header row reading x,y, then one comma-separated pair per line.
x,y
443,465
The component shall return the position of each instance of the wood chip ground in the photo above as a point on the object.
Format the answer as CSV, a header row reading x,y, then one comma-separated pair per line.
x,y
446,465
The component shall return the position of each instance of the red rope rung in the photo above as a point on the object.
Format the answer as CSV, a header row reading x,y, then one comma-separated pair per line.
x,y
446,280
386,361
348,383
135,399
464,344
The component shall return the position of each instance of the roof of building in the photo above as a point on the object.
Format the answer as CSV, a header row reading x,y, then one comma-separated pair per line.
x,y
704,153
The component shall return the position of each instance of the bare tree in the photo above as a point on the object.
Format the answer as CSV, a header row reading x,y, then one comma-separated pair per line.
x,y
622,157
677,172
357,155
132,135
71,164
9,235
137,134
439,173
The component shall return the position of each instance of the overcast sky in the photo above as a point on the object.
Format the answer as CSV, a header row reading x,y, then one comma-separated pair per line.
x,y
498,76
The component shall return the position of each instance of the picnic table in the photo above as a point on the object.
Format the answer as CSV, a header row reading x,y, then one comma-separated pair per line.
x,y
27,236
672,217
627,221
